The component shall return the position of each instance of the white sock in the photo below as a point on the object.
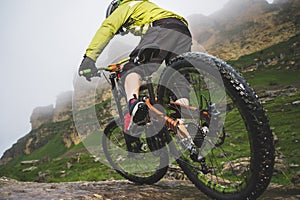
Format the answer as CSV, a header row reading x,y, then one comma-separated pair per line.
x,y
183,101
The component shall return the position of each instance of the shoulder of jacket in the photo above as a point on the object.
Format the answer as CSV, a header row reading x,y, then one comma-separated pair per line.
x,y
132,2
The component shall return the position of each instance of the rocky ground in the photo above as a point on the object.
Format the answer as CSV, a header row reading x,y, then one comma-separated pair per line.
x,y
166,190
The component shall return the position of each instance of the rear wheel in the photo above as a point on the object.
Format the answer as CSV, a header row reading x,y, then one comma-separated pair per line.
x,y
238,154
143,167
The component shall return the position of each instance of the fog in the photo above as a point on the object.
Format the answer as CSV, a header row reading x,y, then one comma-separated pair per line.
x,y
41,46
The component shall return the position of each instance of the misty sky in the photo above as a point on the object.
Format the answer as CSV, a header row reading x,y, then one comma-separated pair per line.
x,y
41,46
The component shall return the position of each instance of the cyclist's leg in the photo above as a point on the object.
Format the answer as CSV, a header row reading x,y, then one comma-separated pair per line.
x,y
132,72
132,85
171,43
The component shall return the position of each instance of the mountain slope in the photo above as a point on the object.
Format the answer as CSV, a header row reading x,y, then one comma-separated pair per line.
x,y
246,26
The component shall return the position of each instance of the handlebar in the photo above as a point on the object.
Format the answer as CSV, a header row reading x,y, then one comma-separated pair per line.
x,y
110,68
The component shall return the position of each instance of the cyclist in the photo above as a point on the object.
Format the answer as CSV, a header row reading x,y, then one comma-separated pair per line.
x,y
158,26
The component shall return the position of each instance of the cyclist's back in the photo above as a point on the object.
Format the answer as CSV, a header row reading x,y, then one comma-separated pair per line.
x,y
135,16
167,30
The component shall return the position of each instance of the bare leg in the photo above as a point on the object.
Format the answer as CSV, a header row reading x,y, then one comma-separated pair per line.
x,y
137,112
132,85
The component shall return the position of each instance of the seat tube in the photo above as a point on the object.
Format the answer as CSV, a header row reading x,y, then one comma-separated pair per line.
x,y
150,89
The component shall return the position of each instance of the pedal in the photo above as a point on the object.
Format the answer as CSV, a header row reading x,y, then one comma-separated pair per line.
x,y
194,155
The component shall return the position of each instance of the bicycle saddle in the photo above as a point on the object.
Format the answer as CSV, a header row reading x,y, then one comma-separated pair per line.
x,y
146,53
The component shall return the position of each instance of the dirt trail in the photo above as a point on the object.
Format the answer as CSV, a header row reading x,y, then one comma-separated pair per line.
x,y
164,190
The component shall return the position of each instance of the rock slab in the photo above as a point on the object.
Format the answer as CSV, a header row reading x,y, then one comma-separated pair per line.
x,y
113,190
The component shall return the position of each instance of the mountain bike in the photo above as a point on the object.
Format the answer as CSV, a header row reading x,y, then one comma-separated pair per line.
x,y
224,121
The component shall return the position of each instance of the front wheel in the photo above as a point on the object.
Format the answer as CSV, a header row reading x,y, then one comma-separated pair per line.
x,y
145,167
238,153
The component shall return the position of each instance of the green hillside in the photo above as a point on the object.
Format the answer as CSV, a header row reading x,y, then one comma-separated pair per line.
x,y
58,164
273,72
277,65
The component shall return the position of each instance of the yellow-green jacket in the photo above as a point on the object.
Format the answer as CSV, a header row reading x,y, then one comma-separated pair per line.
x,y
134,15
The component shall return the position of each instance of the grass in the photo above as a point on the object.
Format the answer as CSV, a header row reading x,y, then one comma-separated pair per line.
x,y
55,166
285,122
64,170
83,170
54,148
283,115
46,153
273,78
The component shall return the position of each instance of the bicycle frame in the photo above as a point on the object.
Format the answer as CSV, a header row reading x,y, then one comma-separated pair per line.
x,y
170,123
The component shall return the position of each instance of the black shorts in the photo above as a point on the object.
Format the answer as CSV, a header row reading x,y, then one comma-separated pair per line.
x,y
171,36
